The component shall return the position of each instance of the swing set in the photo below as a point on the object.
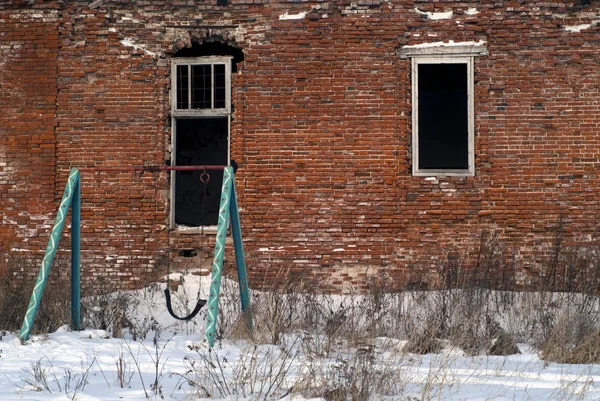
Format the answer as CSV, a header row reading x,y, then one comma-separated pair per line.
x,y
228,216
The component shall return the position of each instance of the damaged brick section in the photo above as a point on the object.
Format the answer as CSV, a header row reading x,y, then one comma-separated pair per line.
x,y
320,124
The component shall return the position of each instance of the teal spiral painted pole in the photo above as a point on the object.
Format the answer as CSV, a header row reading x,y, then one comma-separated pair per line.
x,y
217,266
38,289
240,259
76,257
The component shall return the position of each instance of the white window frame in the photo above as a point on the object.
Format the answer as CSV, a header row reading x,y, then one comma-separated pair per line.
x,y
196,113
470,170
443,55
207,112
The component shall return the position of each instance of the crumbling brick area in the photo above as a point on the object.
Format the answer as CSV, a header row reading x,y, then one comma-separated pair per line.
x,y
321,129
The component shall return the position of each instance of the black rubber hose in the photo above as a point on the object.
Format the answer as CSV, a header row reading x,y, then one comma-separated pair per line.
x,y
199,305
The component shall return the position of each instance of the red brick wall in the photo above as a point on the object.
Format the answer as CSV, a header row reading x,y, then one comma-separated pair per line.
x,y
321,130
112,107
28,50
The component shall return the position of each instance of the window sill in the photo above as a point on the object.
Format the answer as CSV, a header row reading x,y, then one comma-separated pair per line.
x,y
444,173
185,230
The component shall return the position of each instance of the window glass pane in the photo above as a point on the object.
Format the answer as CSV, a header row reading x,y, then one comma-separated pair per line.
x,y
200,141
201,86
443,116
219,86
182,87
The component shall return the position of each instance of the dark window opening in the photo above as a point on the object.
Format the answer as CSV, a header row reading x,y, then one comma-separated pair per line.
x,y
182,87
201,86
199,141
219,86
201,111
443,127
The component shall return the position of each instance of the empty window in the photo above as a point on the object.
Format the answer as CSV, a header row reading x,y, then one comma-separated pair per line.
x,y
199,142
443,123
443,137
443,116
200,109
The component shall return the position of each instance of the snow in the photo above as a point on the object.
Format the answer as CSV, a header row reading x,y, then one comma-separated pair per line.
x,y
84,365
435,16
448,375
287,16
450,43
472,11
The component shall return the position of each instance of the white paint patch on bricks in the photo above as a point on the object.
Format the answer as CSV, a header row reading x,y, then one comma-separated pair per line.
x,y
445,44
7,173
287,16
579,28
435,16
129,43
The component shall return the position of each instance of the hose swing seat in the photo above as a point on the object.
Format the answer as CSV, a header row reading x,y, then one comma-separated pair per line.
x,y
204,179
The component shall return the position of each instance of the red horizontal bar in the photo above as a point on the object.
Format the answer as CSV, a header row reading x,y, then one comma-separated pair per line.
x,y
152,168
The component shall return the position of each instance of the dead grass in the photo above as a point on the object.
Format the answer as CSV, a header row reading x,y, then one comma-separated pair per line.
x,y
476,309
54,310
13,304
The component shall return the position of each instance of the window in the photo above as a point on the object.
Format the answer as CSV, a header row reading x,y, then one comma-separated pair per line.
x,y
443,110
202,86
442,116
201,113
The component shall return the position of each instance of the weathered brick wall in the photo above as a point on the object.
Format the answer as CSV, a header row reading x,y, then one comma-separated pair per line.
x,y
111,112
28,51
322,132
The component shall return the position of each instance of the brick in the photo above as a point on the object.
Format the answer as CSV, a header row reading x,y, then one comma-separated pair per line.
x,y
321,130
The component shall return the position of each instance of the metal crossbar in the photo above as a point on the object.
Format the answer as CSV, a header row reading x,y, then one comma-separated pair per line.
x,y
153,168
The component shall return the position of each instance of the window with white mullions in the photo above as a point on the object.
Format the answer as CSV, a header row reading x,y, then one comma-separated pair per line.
x,y
201,114
202,86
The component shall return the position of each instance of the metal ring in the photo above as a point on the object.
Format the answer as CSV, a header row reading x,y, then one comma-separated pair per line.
x,y
204,177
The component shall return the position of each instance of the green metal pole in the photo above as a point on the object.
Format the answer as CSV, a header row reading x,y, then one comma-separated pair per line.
x,y
240,259
217,266
40,283
76,257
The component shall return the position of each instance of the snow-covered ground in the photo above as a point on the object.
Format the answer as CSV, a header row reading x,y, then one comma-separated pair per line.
x,y
170,361
85,366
